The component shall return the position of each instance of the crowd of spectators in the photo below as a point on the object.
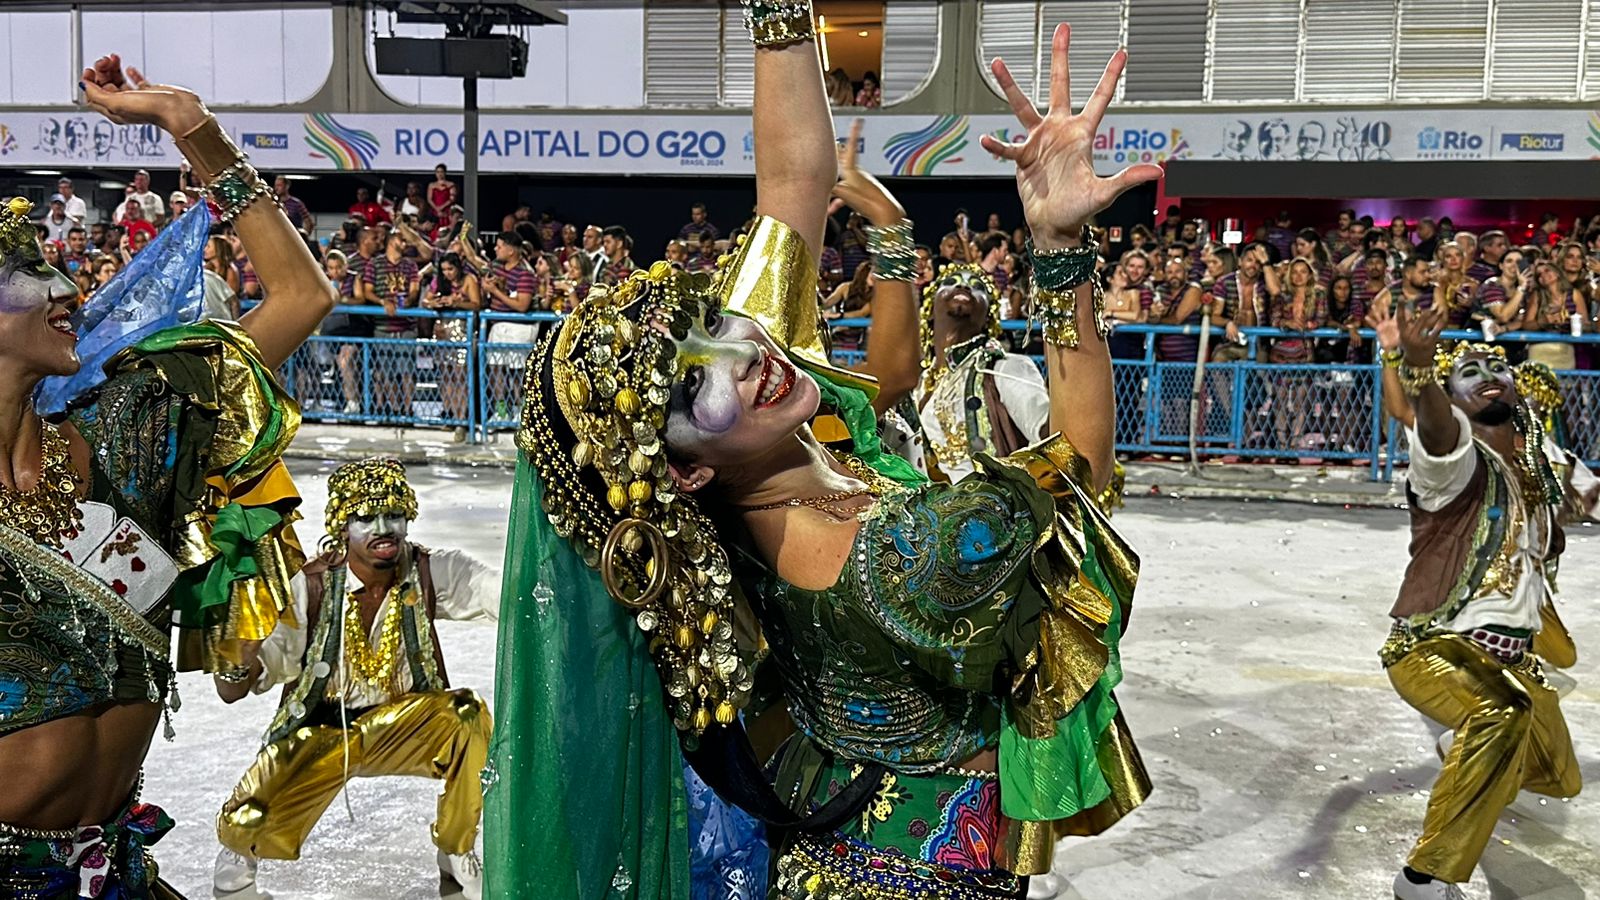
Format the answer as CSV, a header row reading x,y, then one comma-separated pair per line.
x,y
416,252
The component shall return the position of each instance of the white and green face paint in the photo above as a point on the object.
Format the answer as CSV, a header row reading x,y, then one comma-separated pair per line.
x,y
377,540
1484,386
37,330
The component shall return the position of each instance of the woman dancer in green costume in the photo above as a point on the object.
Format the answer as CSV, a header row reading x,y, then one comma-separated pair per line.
x,y
946,653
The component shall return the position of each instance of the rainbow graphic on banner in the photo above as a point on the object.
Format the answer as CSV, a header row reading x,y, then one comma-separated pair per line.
x,y
351,149
1594,133
918,152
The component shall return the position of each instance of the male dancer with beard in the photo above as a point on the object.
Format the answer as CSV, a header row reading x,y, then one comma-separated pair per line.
x,y
1485,542
976,397
366,692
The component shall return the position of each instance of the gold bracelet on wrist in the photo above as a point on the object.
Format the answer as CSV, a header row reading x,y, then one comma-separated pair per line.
x,y
774,23
1392,359
209,149
1057,314
1413,379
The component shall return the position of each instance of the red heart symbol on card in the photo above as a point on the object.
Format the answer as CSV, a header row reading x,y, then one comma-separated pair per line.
x,y
137,565
119,587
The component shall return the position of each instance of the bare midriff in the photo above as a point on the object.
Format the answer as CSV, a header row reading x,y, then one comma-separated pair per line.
x,y
77,770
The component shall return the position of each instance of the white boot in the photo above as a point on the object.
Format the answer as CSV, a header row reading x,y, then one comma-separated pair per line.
x,y
1442,746
1560,680
1046,886
233,872
1433,890
466,870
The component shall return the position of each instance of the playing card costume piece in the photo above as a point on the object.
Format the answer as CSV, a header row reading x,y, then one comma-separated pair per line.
x,y
186,522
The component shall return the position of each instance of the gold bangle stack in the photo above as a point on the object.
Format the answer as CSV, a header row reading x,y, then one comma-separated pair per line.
x,y
1057,314
1392,359
775,23
232,184
1414,378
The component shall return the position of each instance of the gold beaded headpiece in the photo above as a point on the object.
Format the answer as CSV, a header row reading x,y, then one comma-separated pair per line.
x,y
1446,357
593,423
367,488
1537,383
19,239
974,278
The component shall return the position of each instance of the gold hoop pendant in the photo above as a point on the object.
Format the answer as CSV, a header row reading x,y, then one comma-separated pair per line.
x,y
658,552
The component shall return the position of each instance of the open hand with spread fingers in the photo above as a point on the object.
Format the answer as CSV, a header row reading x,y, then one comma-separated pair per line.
x,y
1419,334
1055,162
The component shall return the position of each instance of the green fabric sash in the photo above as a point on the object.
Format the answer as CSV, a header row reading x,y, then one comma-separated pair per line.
x,y
584,795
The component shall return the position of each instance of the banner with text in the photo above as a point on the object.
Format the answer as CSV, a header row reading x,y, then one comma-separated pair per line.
x,y
723,144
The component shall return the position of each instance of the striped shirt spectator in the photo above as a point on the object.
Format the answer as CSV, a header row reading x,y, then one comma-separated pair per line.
x,y
392,277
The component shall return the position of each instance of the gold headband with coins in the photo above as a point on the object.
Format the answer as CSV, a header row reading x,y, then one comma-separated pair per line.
x,y
367,488
1445,358
610,493
973,278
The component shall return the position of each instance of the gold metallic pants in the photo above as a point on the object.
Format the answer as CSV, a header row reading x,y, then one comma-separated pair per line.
x,y
441,734
1509,736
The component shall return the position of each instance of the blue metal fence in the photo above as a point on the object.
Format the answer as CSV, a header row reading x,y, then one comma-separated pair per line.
x,y
465,370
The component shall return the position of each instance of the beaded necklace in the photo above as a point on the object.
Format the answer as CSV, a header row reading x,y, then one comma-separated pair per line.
x,y
51,507
369,667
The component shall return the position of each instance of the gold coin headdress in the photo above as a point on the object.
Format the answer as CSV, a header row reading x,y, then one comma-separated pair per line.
x,y
1446,357
367,488
593,424
968,275
19,239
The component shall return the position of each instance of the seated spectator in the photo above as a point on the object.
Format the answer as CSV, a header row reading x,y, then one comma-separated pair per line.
x,y
698,224
840,91
1492,247
618,247
105,268
569,244
870,95
52,255
178,203
1124,306
139,239
370,213
1427,237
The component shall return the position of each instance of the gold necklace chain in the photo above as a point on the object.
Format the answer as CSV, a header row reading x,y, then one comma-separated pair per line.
x,y
373,668
51,507
876,485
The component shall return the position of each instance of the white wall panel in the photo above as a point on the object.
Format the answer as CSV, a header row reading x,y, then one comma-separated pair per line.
x,y
1349,50
1096,34
37,69
595,60
1535,48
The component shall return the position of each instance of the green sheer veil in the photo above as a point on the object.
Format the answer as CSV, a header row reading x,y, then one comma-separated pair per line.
x,y
584,760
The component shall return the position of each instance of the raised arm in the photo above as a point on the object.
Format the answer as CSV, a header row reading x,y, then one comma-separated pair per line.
x,y
796,161
1060,194
298,296
1436,425
894,354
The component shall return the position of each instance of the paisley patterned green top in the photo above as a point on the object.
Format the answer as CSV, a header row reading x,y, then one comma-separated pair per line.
x,y
899,662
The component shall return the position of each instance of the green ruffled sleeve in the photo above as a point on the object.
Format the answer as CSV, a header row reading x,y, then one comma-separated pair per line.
x,y
1068,764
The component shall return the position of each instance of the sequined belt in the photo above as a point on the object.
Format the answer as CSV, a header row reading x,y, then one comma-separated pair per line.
x,y
1505,647
822,868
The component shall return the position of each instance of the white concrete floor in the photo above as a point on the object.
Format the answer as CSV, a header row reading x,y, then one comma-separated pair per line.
x,y
1284,764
